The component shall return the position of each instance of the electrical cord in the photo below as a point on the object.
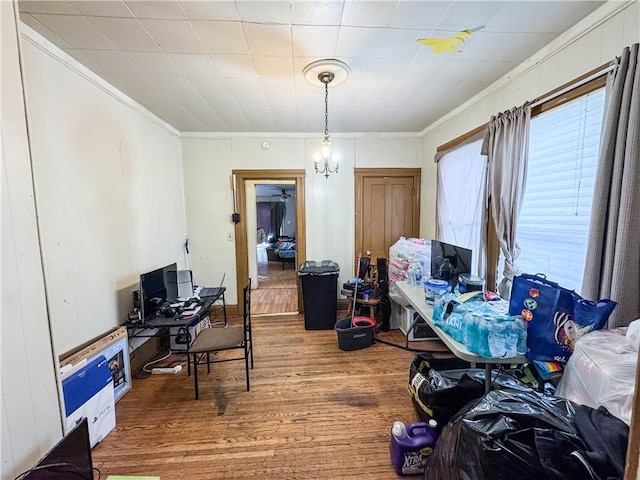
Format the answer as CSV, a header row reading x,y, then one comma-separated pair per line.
x,y
69,468
153,362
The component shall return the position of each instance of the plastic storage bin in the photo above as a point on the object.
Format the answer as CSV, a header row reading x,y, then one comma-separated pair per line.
x,y
319,294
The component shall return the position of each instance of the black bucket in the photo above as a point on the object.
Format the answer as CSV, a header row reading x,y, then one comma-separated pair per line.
x,y
356,336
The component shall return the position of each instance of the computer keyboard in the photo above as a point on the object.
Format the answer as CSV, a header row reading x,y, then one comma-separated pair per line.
x,y
191,311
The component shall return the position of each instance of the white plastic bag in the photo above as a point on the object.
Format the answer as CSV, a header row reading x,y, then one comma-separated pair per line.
x,y
602,372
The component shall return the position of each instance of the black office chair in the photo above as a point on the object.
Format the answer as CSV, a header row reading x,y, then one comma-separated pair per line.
x,y
218,339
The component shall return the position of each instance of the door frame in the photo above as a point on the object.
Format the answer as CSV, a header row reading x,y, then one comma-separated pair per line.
x,y
362,173
242,251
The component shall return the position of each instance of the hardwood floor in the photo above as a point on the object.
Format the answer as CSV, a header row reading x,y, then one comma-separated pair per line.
x,y
313,412
276,292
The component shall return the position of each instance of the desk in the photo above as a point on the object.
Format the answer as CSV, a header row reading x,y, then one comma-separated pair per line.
x,y
415,296
137,329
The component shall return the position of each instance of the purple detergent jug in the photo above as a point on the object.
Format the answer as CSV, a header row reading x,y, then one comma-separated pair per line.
x,y
410,445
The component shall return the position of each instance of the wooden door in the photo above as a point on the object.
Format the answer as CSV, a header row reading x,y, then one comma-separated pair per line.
x,y
387,208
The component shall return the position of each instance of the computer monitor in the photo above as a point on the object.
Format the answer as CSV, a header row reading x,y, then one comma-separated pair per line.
x,y
448,261
158,287
69,459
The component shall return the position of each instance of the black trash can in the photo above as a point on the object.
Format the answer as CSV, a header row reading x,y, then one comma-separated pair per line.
x,y
319,294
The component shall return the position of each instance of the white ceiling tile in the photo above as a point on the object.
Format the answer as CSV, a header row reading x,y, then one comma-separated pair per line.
x,y
212,10
388,69
463,15
398,43
237,123
34,23
268,39
100,8
222,37
174,36
226,106
165,9
153,63
522,47
314,41
76,31
264,11
125,33
316,13
310,102
278,86
194,65
260,123
175,86
234,66
426,68
253,79
486,45
106,61
358,42
281,101
458,70
563,14
361,13
278,67
422,14
60,7
523,17
214,89
241,88
398,100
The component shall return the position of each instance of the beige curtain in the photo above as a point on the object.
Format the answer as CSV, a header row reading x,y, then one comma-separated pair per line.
x,y
506,145
613,253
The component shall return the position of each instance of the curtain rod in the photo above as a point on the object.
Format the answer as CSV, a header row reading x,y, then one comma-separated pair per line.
x,y
574,85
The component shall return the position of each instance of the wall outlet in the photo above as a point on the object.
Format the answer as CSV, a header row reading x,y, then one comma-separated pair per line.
x,y
230,237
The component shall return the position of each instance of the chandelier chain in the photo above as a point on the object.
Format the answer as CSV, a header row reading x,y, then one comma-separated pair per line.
x,y
326,109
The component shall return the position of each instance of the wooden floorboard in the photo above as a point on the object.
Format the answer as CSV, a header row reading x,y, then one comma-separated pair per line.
x,y
313,412
276,292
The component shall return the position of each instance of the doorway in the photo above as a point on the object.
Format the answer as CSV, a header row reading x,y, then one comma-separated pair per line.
x,y
273,263
270,239
387,208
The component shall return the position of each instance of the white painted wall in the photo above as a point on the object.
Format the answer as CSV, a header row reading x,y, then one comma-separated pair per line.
x,y
109,191
329,202
105,187
30,418
593,42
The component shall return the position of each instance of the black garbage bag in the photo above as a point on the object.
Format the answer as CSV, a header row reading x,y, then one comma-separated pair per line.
x,y
606,438
510,434
441,387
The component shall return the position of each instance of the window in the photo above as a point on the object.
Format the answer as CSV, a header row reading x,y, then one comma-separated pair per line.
x,y
460,197
554,221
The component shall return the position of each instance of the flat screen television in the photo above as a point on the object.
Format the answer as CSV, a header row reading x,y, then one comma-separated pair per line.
x,y
156,288
448,261
69,459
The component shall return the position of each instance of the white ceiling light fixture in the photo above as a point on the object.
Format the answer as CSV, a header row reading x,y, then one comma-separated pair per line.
x,y
322,73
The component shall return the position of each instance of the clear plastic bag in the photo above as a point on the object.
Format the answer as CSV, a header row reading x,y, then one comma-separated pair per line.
x,y
404,252
602,372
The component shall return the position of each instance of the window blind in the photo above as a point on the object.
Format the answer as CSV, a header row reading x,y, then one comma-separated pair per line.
x,y
554,221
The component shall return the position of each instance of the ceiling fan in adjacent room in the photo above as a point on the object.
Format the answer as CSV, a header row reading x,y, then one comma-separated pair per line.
x,y
284,196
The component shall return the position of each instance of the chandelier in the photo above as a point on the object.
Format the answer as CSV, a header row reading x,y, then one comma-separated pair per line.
x,y
326,71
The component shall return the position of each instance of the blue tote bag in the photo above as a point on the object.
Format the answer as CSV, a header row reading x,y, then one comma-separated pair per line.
x,y
555,316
